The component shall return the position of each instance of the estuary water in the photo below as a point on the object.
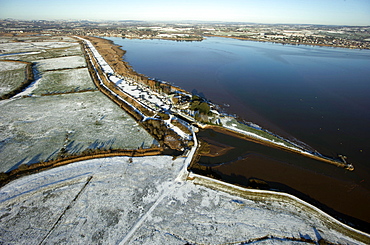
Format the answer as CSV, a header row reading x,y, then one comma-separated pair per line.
x,y
317,96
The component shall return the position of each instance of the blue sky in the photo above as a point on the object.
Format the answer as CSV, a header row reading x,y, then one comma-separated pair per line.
x,y
334,12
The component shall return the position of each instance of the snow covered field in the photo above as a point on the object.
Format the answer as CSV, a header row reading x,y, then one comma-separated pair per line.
x,y
68,62
12,74
37,128
63,81
9,66
141,201
26,48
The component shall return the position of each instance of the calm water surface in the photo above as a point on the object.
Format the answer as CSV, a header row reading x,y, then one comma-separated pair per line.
x,y
319,96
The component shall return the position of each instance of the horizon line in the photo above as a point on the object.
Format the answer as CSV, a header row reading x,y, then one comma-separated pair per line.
x,y
184,21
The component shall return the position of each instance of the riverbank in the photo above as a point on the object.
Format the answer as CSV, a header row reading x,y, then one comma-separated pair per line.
x,y
285,42
144,105
113,55
242,135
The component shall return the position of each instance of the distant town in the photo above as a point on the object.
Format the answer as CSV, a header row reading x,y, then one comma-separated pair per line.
x,y
356,37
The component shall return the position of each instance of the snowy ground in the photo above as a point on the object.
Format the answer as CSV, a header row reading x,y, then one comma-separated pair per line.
x,y
153,100
141,201
8,66
62,81
35,47
36,128
12,74
68,62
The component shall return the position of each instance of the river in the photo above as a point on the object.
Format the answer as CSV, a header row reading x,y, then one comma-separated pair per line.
x,y
317,96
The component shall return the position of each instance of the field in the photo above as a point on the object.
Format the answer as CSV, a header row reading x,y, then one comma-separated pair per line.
x,y
64,81
61,112
38,48
123,200
12,74
38,128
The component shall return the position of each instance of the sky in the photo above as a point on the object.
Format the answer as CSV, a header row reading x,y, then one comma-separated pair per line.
x,y
328,12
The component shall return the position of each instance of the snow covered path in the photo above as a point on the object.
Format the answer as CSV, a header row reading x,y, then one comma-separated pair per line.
x,y
142,200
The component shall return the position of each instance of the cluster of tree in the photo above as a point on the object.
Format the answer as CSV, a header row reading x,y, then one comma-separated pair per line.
x,y
165,136
200,105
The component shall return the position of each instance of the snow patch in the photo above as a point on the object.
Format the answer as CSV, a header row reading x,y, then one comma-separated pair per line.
x,y
115,201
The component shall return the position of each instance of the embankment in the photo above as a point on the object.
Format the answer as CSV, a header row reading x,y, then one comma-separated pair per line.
x,y
25,169
262,196
113,55
278,146
156,127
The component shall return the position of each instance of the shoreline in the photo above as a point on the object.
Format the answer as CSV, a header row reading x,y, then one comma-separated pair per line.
x,y
261,196
285,42
234,133
127,69
113,55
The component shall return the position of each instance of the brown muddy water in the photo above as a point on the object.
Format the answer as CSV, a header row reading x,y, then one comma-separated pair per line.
x,y
334,190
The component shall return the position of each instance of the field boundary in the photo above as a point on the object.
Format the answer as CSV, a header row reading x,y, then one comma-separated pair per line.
x,y
25,169
28,79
